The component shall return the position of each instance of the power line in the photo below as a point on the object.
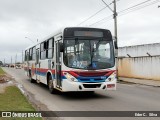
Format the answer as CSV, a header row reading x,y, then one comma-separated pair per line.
x,y
130,9
98,12
135,5
92,15
140,7
107,6
106,18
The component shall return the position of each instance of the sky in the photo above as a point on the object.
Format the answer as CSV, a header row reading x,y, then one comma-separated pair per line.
x,y
36,19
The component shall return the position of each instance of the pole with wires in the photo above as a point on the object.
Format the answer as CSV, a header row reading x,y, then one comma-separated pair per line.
x,y
115,20
114,11
115,34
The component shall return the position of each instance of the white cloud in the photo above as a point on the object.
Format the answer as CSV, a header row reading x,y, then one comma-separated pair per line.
x,y
37,19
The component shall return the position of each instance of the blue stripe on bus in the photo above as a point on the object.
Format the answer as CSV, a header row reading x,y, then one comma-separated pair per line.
x,y
92,79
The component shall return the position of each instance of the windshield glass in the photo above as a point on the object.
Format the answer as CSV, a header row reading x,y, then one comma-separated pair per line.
x,y
88,54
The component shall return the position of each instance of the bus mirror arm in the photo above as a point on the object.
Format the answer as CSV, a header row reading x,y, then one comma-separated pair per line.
x,y
52,64
61,47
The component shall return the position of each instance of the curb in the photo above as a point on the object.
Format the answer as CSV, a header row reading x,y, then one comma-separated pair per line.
x,y
153,83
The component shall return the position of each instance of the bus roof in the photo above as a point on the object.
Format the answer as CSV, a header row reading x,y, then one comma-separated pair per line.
x,y
61,30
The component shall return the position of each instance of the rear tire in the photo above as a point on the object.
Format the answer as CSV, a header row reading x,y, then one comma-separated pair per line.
x,y
30,77
50,85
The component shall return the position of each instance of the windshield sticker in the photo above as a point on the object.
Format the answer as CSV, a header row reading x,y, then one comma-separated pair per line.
x,y
74,64
79,64
94,65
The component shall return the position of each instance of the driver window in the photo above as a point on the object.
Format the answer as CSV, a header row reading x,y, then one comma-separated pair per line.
x,y
104,50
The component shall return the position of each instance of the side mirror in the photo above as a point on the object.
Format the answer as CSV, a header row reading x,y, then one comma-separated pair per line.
x,y
115,45
115,42
61,46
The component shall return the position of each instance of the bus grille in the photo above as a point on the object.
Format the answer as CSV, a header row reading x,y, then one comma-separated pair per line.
x,y
91,79
91,85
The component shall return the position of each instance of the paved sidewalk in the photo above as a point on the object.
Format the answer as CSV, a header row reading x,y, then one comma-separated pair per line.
x,y
155,83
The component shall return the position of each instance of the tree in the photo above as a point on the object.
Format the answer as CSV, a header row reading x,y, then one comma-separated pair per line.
x,y
1,63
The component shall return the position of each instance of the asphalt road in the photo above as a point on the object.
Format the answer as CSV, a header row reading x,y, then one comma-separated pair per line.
x,y
128,97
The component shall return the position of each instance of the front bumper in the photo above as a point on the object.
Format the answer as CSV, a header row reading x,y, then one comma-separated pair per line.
x,y
68,85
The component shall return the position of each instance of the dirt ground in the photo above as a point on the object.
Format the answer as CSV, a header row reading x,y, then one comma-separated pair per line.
x,y
5,80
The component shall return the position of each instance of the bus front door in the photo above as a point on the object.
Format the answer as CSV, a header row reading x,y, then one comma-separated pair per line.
x,y
58,65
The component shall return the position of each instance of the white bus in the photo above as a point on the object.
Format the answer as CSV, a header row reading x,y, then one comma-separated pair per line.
x,y
73,59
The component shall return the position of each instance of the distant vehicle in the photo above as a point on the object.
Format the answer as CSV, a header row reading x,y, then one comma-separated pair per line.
x,y
7,65
74,59
12,66
18,66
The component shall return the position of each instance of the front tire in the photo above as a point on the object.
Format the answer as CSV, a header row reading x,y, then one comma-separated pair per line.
x,y
30,77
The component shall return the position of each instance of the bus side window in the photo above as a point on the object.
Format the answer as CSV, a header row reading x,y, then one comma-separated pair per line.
x,y
37,56
26,55
30,54
47,45
43,50
25,59
33,53
50,48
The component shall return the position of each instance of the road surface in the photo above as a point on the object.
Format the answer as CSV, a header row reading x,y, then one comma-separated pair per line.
x,y
128,97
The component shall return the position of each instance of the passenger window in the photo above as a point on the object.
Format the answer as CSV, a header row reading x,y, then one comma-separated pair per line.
x,y
43,50
50,48
34,53
46,49
30,54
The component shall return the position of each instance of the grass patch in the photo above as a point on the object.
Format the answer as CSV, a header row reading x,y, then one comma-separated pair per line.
x,y
1,71
14,100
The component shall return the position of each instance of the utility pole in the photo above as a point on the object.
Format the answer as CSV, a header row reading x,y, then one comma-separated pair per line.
x,y
4,60
11,60
22,56
114,11
115,20
115,34
15,59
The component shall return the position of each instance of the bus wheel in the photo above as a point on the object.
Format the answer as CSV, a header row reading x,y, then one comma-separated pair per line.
x,y
30,77
50,85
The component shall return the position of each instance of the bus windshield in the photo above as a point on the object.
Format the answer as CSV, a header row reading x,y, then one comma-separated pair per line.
x,y
88,54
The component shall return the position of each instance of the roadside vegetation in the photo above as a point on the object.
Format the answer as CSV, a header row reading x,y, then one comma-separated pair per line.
x,y
2,76
1,71
13,100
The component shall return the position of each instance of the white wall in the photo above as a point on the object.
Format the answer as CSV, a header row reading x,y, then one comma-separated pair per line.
x,y
140,50
140,65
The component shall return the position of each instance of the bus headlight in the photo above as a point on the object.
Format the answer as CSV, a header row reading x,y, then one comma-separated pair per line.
x,y
111,77
70,77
